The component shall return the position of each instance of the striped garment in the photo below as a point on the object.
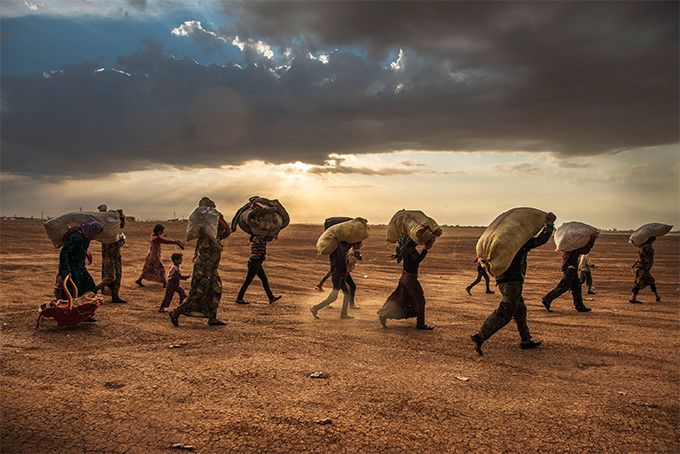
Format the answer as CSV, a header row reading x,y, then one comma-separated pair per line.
x,y
258,248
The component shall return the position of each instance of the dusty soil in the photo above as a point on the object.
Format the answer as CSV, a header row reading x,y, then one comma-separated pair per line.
x,y
604,381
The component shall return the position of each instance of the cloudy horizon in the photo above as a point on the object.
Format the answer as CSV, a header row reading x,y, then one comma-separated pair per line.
x,y
460,109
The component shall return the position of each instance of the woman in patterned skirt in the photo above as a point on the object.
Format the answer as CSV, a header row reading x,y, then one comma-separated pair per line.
x,y
153,269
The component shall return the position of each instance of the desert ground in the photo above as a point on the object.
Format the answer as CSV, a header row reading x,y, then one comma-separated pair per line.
x,y
602,382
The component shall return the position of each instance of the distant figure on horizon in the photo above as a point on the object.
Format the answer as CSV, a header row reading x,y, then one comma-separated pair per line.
x,y
584,267
570,280
481,273
510,284
642,267
153,269
408,299
112,267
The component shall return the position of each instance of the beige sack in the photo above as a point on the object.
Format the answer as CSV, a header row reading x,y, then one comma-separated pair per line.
x,y
642,234
203,219
58,227
419,227
573,235
353,231
506,235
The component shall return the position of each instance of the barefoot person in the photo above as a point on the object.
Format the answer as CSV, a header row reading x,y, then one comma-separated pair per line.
x,y
112,267
153,269
642,268
481,273
408,299
258,252
338,261
512,305
206,285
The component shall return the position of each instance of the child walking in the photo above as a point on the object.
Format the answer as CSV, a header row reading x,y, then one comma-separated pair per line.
x,y
174,276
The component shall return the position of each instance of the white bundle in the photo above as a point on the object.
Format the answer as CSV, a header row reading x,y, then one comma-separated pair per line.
x,y
203,220
641,235
573,235
57,227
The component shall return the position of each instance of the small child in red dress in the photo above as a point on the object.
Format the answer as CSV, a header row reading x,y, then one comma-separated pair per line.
x,y
174,276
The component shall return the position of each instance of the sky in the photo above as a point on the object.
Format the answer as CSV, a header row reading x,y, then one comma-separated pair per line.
x,y
342,108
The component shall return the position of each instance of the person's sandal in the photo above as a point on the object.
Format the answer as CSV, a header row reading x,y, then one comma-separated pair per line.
x,y
242,302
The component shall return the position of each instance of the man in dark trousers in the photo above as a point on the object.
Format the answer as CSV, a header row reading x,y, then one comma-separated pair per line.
x,y
512,305
570,280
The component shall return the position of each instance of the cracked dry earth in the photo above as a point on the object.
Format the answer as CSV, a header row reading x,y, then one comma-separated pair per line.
x,y
604,381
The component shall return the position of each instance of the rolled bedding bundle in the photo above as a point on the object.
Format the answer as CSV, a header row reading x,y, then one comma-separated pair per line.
x,y
58,227
573,235
504,237
419,227
654,229
353,231
203,220
261,216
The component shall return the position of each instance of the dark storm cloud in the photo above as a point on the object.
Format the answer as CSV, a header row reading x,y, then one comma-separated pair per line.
x,y
574,78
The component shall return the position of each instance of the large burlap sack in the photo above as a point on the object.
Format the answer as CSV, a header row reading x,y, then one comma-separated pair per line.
x,y
261,216
573,235
505,236
57,227
353,231
203,219
642,234
419,227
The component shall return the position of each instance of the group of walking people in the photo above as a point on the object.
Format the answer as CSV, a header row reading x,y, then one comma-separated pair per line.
x,y
406,301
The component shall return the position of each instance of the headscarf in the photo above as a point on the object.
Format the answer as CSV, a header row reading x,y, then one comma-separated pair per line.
x,y
91,229
402,242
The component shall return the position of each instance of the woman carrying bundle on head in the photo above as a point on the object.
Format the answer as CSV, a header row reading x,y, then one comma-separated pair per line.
x,y
408,300
206,284
72,261
642,268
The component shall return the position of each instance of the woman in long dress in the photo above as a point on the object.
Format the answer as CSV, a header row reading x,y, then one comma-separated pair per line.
x,y
72,259
153,269
206,284
408,300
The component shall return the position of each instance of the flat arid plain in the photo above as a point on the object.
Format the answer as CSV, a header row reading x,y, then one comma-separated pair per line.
x,y
602,382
